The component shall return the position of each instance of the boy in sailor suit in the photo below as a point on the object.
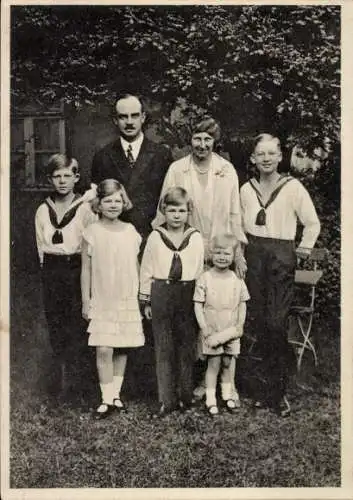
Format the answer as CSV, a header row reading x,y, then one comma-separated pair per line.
x,y
59,224
172,261
271,206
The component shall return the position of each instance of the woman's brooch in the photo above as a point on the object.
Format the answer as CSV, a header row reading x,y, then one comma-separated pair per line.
x,y
220,172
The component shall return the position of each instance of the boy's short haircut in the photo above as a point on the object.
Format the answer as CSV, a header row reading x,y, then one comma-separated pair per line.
x,y
224,240
107,188
58,161
175,196
265,137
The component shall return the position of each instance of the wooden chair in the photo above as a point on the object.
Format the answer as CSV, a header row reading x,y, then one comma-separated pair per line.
x,y
302,315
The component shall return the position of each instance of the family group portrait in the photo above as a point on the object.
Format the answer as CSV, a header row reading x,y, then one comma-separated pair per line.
x,y
175,247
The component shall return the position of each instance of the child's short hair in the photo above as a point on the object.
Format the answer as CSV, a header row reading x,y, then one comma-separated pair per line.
x,y
266,137
224,240
108,187
58,161
175,196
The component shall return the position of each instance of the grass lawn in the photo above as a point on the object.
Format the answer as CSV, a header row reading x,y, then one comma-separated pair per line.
x,y
62,447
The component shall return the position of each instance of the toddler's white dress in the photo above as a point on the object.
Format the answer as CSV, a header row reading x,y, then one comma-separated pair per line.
x,y
115,319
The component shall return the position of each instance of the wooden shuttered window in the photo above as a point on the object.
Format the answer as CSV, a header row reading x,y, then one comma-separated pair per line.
x,y
33,140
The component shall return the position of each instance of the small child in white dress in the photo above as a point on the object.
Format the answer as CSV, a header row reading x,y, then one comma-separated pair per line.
x,y
220,307
109,283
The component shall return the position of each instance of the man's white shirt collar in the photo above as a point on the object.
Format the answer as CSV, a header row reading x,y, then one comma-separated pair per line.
x,y
135,145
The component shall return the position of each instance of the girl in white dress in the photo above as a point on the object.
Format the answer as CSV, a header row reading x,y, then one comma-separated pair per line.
x,y
220,307
109,283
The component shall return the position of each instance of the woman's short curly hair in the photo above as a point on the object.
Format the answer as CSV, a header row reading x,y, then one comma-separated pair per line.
x,y
209,125
107,188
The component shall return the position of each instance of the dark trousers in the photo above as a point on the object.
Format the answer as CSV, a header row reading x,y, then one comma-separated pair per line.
x,y
174,332
270,280
63,311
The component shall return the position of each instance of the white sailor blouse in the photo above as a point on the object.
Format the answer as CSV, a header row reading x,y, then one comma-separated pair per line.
x,y
61,237
277,218
162,260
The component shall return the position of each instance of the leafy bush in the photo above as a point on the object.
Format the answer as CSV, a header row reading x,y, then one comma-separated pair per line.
x,y
255,64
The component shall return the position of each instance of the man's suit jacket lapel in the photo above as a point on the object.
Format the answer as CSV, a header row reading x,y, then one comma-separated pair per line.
x,y
142,162
123,169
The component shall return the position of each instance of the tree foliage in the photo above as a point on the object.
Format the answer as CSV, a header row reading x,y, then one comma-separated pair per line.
x,y
279,64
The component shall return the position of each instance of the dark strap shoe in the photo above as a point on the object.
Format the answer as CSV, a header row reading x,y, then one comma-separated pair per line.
x,y
103,411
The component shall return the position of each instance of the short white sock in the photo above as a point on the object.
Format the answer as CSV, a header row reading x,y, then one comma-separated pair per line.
x,y
226,390
234,393
211,397
117,383
107,393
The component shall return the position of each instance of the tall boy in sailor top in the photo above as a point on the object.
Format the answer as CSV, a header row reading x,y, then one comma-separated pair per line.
x,y
271,205
59,224
172,260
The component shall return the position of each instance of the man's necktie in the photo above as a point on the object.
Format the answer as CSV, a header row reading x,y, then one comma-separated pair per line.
x,y
129,156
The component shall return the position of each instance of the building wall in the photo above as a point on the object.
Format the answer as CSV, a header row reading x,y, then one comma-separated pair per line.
x,y
88,130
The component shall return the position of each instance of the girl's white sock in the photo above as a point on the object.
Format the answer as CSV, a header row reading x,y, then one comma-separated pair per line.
x,y
211,397
226,391
234,392
107,393
117,383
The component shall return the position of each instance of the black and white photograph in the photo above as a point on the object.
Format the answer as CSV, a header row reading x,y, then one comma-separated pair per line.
x,y
173,187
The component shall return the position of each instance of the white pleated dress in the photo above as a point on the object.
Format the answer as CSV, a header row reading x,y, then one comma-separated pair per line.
x,y
115,319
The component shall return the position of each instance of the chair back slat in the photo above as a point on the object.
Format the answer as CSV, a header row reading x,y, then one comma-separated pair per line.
x,y
318,254
304,277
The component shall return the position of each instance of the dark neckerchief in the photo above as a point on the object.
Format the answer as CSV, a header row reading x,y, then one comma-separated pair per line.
x,y
68,216
261,216
176,268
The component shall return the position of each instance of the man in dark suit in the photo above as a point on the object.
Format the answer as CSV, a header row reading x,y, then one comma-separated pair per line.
x,y
138,163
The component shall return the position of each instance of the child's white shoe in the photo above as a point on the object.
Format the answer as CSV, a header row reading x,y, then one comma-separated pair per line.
x,y
118,404
103,411
212,410
231,405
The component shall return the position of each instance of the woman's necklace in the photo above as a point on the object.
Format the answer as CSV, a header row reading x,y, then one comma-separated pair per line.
x,y
200,170
203,170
